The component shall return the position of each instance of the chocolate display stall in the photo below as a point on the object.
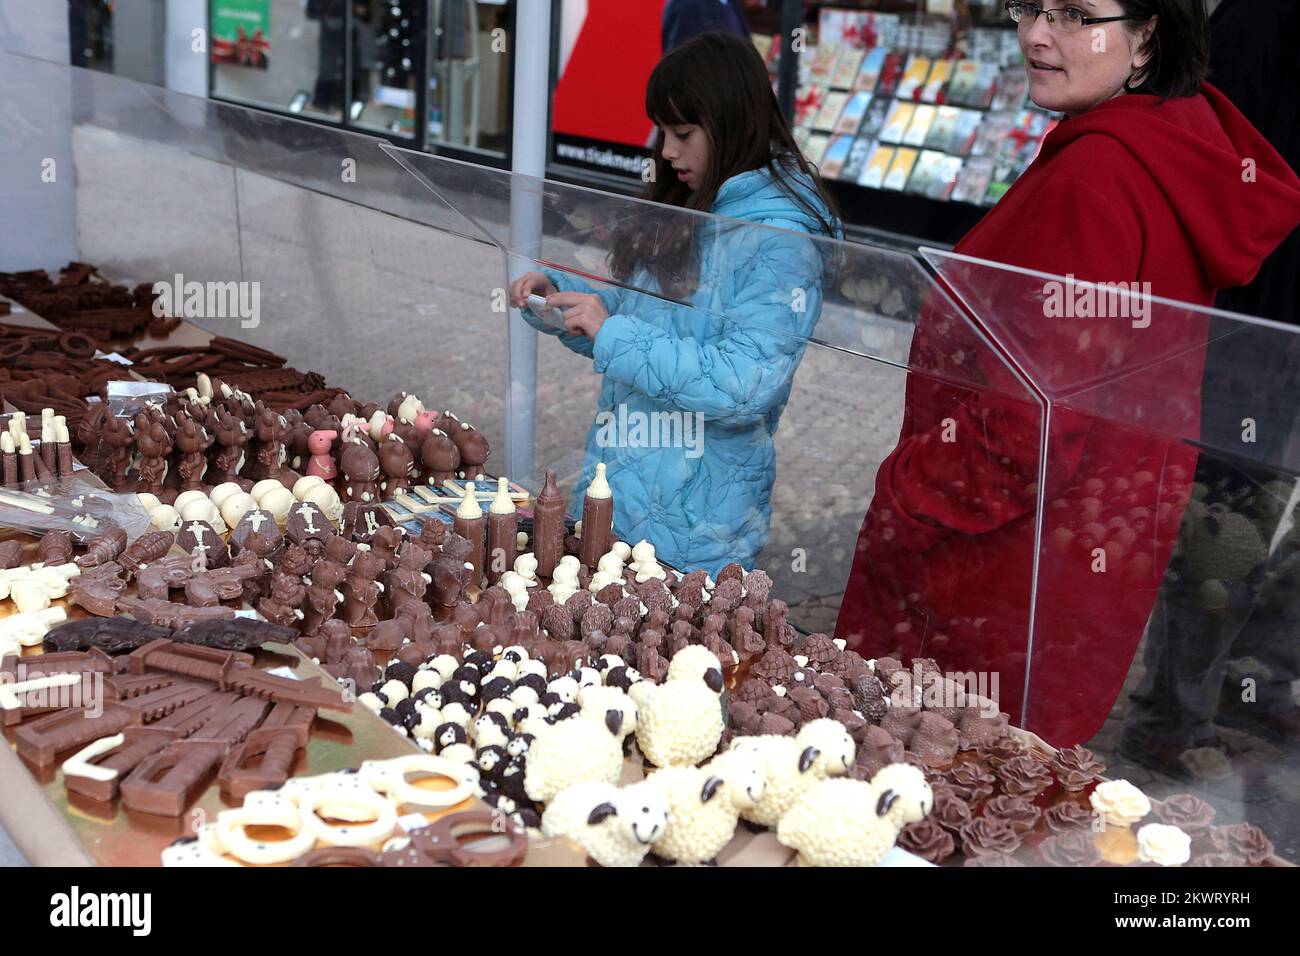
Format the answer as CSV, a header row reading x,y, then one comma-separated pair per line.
x,y
288,175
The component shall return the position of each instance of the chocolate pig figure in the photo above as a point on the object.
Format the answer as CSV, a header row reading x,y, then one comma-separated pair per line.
x,y
360,470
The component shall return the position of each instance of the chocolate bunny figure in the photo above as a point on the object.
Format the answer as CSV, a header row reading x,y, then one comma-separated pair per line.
x,y
271,432
193,441
154,445
231,436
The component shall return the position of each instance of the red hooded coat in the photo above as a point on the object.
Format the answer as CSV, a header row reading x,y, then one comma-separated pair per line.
x,y
1183,194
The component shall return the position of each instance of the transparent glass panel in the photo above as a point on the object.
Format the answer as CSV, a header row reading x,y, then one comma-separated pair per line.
x,y
1166,619
797,359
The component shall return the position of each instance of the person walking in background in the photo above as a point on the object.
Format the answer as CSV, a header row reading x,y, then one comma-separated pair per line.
x,y
1140,183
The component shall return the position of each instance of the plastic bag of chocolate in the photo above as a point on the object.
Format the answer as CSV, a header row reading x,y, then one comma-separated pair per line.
x,y
71,505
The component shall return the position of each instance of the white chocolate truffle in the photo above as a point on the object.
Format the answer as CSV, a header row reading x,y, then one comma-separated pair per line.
x,y
265,487
278,501
327,500
235,507
306,484
223,491
185,497
164,518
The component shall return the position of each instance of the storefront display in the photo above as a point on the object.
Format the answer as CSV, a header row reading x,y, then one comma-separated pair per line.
x,y
287,545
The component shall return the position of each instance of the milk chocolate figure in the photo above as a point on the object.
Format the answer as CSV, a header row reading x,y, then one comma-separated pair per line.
x,y
473,448
408,581
154,445
10,455
398,464
271,432
323,594
90,435
192,441
360,470
470,524
231,437
548,526
503,533
440,456
597,518
117,435
362,589
299,433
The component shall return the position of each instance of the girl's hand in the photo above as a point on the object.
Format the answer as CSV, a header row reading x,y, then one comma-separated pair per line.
x,y
584,314
530,283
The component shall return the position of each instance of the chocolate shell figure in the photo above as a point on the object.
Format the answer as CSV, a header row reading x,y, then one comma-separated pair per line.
x,y
440,457
597,519
360,470
503,532
398,465
548,526
471,525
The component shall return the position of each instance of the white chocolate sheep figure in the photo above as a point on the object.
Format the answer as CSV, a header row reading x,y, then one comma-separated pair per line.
x,y
852,823
704,806
615,826
570,751
821,749
610,705
679,722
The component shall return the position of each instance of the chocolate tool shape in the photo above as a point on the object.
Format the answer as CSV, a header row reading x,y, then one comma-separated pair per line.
x,y
143,742
164,783
264,759
155,581
303,693
46,674
43,739
190,660
158,703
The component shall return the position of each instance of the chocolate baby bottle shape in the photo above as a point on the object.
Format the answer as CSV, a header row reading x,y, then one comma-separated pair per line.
x,y
503,532
597,518
548,527
9,452
470,524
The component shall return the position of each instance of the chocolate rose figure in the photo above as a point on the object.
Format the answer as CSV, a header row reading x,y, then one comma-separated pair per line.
x,y
231,437
440,457
271,432
398,464
154,445
360,470
193,441
120,440
361,590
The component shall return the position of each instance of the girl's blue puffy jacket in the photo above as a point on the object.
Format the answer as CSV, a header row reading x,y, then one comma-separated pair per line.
x,y
728,362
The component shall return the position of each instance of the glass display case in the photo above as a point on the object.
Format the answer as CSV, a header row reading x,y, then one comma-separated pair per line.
x,y
1091,518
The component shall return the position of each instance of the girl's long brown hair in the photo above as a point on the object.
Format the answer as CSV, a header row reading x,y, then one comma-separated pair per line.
x,y
716,81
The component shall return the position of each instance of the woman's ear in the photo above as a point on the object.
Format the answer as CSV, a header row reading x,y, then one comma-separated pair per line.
x,y
1141,45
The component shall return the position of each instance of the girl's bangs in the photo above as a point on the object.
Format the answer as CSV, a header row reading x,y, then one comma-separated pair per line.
x,y
662,107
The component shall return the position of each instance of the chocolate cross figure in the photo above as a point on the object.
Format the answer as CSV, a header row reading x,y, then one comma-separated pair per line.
x,y
197,530
256,520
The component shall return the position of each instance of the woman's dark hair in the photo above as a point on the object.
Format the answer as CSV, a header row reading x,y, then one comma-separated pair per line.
x,y
1179,47
716,81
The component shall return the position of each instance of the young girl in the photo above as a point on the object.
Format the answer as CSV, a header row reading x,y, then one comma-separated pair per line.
x,y
723,147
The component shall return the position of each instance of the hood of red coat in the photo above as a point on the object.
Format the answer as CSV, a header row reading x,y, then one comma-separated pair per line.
x,y
1235,196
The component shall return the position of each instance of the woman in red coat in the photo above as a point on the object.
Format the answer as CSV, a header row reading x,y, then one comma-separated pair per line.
x,y
1153,177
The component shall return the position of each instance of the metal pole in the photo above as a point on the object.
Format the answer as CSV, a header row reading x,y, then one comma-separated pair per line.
x,y
532,51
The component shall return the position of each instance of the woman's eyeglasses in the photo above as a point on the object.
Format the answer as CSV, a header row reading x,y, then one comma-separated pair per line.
x,y
1067,19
